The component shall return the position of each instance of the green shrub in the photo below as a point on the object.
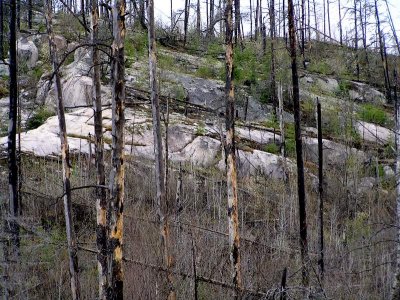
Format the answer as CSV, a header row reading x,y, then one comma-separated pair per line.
x,y
38,118
321,67
206,72
272,148
373,114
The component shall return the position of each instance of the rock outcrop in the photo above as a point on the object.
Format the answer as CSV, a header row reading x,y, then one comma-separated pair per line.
x,y
27,52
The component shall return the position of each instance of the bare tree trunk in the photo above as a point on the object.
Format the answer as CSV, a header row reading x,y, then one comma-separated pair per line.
x,y
299,148
69,224
315,21
30,14
329,18
364,40
340,24
101,197
256,20
251,20
186,20
281,123
212,24
356,40
238,34
117,174
273,98
2,13
230,157
324,17
321,265
198,18
162,205
13,180
172,14
393,28
396,287
382,51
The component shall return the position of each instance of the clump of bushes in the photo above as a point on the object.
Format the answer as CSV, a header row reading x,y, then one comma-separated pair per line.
x,y
373,114
38,118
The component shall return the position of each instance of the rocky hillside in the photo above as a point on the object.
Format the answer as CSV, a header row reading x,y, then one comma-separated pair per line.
x,y
358,152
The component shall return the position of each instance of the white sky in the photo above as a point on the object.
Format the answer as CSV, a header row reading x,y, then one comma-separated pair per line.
x,y
162,10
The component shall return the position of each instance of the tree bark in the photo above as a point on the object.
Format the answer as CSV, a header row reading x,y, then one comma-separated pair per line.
x,y
238,34
13,180
396,287
321,265
198,18
340,23
230,157
393,28
69,224
2,13
186,20
382,51
161,197
299,148
273,98
356,40
117,174
101,196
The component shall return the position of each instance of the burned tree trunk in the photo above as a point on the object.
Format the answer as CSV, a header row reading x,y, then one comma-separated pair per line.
x,y
321,250
101,200
230,157
186,21
162,205
272,75
69,224
198,18
117,174
396,287
238,33
13,192
299,147
382,51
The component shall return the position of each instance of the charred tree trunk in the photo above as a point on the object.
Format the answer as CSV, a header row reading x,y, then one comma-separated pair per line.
x,y
256,20
393,28
299,147
161,199
230,157
273,35
329,18
356,40
396,287
185,22
238,33
2,56
251,20
117,174
13,180
382,51
321,265
69,224
101,197
30,14
212,23
340,23
198,18
364,39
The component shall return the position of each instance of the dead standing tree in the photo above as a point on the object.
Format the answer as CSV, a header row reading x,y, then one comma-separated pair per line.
x,y
162,205
13,192
69,225
117,175
299,147
101,196
230,156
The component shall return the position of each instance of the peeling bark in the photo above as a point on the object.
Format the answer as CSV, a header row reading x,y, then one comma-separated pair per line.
x,y
117,175
101,200
230,158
